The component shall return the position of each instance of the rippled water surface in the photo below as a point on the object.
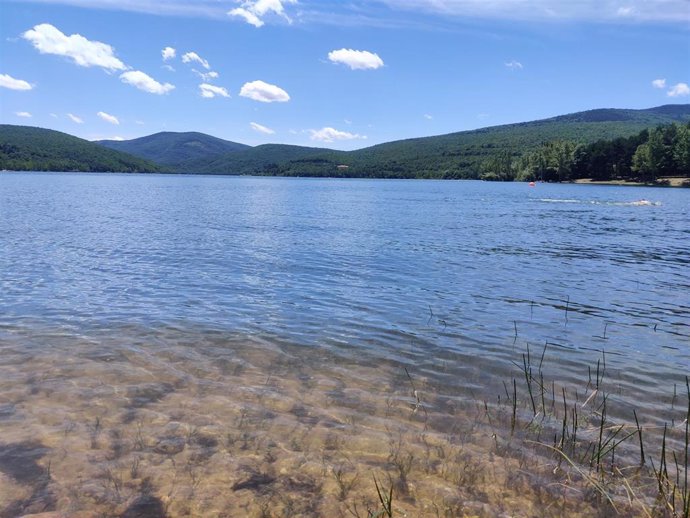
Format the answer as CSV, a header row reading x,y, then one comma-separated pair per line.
x,y
164,314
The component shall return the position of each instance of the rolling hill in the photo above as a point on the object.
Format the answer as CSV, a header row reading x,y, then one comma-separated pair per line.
x,y
455,155
175,150
25,148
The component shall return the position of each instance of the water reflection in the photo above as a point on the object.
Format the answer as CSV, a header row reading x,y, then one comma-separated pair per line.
x,y
165,337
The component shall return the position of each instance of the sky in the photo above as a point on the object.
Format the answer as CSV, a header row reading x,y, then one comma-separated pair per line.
x,y
341,74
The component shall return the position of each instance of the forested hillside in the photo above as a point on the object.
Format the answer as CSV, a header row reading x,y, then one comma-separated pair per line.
x,y
175,150
456,155
601,144
25,148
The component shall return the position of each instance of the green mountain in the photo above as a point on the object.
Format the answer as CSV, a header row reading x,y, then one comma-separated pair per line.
x,y
25,148
455,155
176,150
466,154
264,159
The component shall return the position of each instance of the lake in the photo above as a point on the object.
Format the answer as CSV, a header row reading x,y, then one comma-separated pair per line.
x,y
218,346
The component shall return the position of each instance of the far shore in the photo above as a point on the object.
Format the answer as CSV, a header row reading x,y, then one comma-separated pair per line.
x,y
661,182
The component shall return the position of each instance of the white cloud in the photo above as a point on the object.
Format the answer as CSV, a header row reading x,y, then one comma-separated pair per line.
x,y
7,81
140,123
210,91
659,83
54,115
550,10
145,82
514,65
261,129
193,56
108,118
370,12
428,117
248,16
206,77
75,119
679,90
332,134
25,115
169,68
356,59
264,92
168,53
252,11
47,39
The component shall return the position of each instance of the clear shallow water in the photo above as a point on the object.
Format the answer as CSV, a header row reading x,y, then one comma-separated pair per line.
x,y
112,283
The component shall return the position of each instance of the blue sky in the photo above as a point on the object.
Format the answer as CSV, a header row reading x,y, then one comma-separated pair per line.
x,y
339,74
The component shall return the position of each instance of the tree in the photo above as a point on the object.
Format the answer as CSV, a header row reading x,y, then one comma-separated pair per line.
x,y
681,150
498,167
642,162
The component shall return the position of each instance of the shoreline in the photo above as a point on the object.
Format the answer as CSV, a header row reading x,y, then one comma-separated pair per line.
x,y
661,182
682,182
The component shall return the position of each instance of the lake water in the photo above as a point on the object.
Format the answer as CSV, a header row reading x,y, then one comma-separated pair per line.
x,y
166,338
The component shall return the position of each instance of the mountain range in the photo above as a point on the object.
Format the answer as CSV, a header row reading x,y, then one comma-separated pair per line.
x,y
454,155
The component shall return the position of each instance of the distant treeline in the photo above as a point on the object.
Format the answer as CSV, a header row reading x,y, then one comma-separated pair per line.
x,y
645,157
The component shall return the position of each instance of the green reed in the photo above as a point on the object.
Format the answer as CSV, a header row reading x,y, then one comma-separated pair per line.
x,y
594,452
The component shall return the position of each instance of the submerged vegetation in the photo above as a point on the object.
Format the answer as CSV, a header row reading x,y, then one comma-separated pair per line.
x,y
286,432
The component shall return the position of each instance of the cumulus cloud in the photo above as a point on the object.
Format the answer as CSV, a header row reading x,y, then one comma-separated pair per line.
x,y
75,119
210,91
253,11
514,65
25,115
108,118
356,59
261,129
247,15
659,83
47,39
264,92
7,81
193,56
168,53
428,117
144,82
332,134
679,90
